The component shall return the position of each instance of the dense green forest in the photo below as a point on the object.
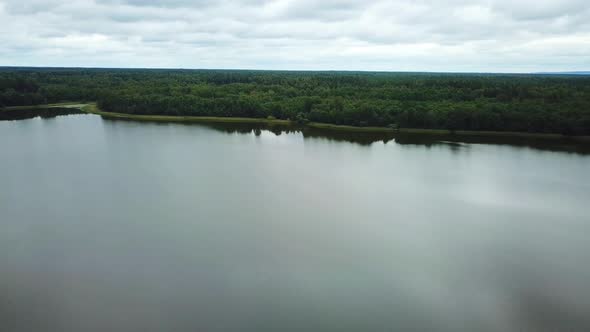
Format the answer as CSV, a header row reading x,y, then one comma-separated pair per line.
x,y
530,103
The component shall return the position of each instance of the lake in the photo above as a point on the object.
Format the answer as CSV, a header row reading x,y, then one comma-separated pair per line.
x,y
125,226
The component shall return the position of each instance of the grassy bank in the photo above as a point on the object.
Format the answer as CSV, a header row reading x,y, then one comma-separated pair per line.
x,y
93,109
328,126
32,107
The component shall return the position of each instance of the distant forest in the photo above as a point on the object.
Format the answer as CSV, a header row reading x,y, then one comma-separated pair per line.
x,y
529,103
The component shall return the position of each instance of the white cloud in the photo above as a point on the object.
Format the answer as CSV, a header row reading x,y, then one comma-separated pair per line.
x,y
420,35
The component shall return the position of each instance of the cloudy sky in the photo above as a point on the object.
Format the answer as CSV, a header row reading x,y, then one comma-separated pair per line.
x,y
389,35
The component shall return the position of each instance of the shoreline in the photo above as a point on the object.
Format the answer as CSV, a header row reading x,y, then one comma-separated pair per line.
x,y
44,106
92,108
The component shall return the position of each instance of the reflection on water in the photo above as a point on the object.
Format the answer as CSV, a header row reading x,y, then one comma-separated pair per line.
x,y
130,226
566,145
454,141
38,112
368,138
341,136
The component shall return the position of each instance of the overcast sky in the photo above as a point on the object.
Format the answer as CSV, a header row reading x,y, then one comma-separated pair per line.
x,y
389,35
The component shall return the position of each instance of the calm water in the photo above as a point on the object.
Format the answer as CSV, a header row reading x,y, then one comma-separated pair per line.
x,y
122,226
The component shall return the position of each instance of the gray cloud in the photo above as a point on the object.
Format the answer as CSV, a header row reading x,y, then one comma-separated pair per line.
x,y
454,35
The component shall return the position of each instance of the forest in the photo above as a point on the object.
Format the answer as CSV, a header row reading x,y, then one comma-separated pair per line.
x,y
494,102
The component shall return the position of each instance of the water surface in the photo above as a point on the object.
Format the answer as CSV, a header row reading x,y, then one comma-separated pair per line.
x,y
124,226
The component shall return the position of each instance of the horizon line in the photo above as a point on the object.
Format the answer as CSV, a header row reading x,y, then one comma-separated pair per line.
x,y
565,72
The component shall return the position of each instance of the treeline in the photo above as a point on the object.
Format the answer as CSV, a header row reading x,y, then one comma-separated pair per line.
x,y
532,103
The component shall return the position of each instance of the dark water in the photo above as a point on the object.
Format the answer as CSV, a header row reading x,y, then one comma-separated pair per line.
x,y
123,226
45,113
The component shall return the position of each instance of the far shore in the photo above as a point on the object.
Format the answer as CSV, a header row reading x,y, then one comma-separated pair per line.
x,y
44,106
93,109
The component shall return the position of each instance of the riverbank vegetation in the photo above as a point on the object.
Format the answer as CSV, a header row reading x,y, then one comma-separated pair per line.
x,y
92,108
475,102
